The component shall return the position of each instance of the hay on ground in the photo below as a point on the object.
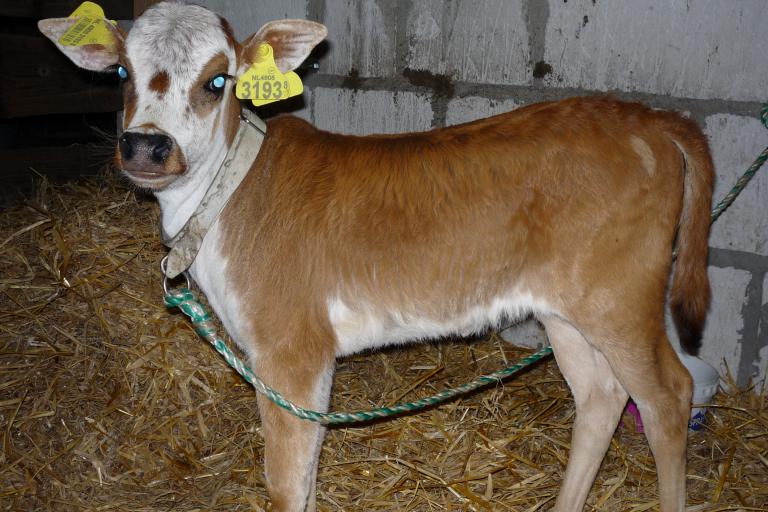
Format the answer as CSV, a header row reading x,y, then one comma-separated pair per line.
x,y
108,401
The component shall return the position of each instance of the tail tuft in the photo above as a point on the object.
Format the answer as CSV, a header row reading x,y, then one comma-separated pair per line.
x,y
690,325
690,292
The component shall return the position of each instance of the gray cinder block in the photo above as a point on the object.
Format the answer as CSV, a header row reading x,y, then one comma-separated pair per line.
x,y
471,41
703,49
366,112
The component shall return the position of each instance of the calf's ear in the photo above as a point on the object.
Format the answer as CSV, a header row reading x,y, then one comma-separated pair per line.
x,y
291,42
95,57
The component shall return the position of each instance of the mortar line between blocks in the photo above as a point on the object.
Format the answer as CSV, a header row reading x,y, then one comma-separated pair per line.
x,y
531,94
750,342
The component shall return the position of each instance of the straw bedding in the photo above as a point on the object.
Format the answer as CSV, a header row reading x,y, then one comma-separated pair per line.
x,y
110,402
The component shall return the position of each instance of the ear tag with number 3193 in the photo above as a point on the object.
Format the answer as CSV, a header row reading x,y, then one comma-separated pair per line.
x,y
264,83
90,28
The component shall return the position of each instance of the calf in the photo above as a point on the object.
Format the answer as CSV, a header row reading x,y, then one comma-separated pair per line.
x,y
334,244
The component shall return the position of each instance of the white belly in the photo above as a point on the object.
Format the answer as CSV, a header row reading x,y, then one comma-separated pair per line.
x,y
360,326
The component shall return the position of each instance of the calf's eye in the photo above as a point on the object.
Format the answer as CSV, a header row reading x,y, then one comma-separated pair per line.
x,y
122,72
217,83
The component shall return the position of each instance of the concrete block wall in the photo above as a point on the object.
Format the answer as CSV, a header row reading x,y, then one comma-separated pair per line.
x,y
404,65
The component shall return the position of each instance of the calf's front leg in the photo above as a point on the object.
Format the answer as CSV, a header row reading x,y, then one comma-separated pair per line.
x,y
292,445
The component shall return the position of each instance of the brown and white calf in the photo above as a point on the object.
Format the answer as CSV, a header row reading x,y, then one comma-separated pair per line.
x,y
334,244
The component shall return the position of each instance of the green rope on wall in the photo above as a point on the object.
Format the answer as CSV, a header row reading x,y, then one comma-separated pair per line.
x,y
748,174
185,299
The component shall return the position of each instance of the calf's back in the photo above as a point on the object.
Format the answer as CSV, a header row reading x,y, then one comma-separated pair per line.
x,y
391,237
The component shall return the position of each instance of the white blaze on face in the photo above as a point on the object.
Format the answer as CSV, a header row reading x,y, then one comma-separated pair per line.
x,y
167,50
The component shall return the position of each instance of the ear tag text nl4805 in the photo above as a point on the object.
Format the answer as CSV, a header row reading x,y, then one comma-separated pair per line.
x,y
264,83
90,28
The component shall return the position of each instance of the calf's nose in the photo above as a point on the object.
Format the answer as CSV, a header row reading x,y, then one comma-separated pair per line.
x,y
154,147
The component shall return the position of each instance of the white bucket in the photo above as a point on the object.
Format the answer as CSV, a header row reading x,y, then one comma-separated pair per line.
x,y
705,383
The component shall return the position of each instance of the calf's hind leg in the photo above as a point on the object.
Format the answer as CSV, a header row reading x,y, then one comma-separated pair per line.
x,y
599,399
651,372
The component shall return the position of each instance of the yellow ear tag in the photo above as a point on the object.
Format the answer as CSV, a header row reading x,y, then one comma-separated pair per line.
x,y
264,83
91,27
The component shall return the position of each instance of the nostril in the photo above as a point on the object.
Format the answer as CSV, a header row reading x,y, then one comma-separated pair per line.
x,y
143,147
125,144
161,149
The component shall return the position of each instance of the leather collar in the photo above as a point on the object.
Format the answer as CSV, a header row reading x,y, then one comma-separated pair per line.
x,y
245,147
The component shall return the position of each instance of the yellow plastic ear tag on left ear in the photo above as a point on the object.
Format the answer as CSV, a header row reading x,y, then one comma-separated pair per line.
x,y
264,83
91,28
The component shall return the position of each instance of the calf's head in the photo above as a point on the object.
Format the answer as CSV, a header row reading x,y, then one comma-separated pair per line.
x,y
179,64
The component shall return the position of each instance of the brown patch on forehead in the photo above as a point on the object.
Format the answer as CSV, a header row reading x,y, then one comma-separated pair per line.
x,y
201,100
160,82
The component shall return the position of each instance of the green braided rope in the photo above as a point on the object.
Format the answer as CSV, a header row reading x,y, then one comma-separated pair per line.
x,y
748,174
186,300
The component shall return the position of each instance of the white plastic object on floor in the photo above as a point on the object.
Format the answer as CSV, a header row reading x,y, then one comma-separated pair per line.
x,y
705,383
